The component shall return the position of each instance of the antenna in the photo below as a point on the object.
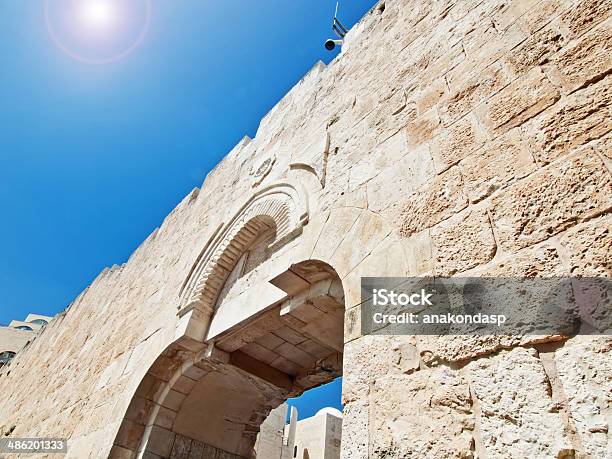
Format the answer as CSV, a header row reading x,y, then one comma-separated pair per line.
x,y
337,26
339,30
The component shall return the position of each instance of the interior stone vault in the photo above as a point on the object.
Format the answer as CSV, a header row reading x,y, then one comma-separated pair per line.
x,y
448,138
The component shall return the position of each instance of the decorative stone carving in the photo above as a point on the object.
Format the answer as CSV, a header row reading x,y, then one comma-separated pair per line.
x,y
281,206
261,169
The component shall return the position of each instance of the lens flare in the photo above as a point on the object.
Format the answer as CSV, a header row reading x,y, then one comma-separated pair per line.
x,y
97,13
98,31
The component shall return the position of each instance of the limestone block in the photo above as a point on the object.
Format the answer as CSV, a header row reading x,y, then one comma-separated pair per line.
x,y
423,128
585,371
551,200
486,45
419,253
516,414
181,447
424,414
337,226
385,155
539,261
430,95
586,15
355,423
435,350
456,142
434,202
313,154
369,230
574,121
371,356
540,16
586,60
387,259
518,102
160,441
496,165
400,180
466,95
536,50
463,242
590,248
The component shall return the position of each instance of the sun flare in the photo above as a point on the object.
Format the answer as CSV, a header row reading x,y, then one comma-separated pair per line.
x,y
100,14
98,31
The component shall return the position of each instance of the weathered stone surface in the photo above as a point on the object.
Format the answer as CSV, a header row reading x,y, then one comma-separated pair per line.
x,y
516,416
468,94
403,179
456,142
587,60
484,44
537,50
578,119
540,261
462,243
590,248
434,202
552,200
496,165
586,15
521,100
585,370
443,427
355,429
423,128
374,356
541,15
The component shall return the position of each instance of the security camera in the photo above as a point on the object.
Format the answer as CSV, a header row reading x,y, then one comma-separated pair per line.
x,y
331,44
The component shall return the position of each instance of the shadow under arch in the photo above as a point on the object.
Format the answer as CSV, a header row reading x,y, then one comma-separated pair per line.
x,y
210,403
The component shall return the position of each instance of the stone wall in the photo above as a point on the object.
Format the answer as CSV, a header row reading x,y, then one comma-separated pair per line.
x,y
449,137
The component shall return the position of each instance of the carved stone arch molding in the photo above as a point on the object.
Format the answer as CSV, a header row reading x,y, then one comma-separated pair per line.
x,y
282,206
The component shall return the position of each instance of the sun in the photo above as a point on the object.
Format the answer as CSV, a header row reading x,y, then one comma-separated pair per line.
x,y
99,14
98,31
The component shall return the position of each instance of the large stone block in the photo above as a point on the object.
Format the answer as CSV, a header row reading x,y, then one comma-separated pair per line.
x,y
496,165
456,142
434,202
586,15
585,61
516,414
463,242
585,368
574,121
551,200
590,248
424,414
518,102
355,430
540,15
423,128
466,95
536,50
371,356
387,189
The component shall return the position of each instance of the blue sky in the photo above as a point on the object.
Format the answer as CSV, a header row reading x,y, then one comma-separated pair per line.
x,y
93,157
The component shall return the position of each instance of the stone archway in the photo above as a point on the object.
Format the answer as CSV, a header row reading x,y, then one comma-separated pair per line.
x,y
281,207
210,403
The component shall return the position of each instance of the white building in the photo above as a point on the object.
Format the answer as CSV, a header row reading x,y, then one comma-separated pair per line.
x,y
317,437
19,334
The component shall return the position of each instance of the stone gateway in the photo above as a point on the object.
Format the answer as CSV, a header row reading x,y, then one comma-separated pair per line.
x,y
450,137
